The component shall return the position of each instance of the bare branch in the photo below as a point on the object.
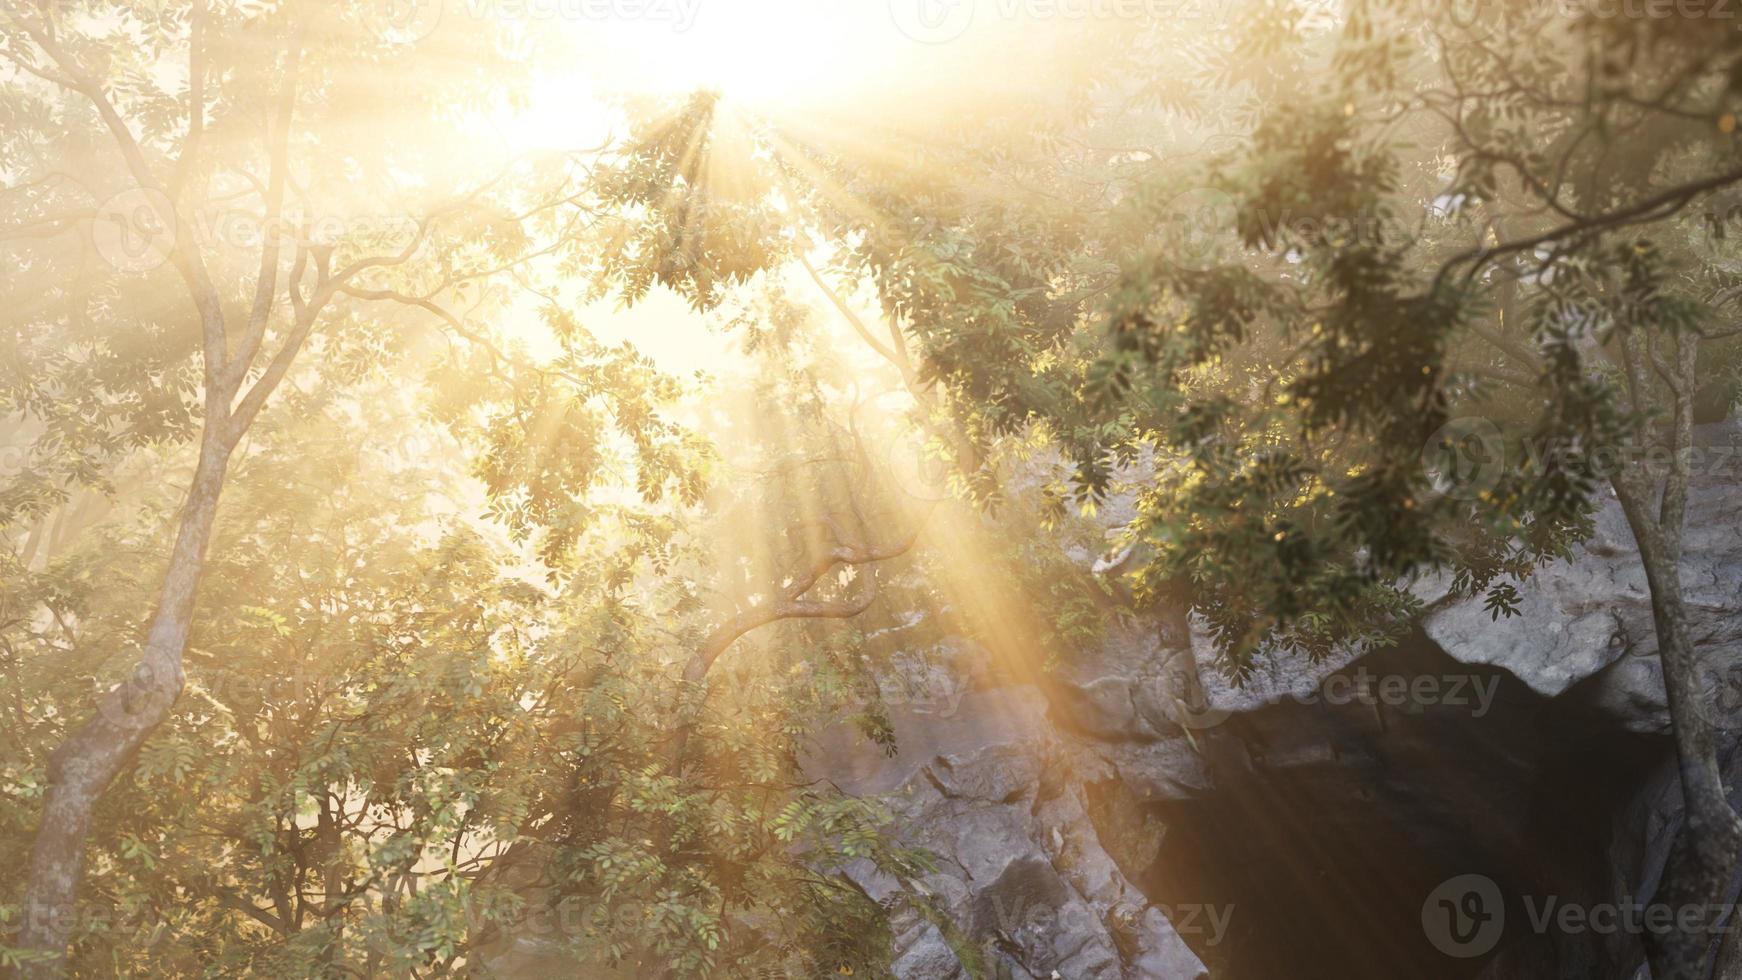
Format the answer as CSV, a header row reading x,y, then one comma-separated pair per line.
x,y
1653,208
791,603
846,312
196,99
184,251
266,283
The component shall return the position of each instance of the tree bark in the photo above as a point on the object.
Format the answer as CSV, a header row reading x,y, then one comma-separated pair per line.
x,y
82,767
1709,843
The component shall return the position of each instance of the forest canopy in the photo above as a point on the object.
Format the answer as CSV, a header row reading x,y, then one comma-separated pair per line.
x,y
460,456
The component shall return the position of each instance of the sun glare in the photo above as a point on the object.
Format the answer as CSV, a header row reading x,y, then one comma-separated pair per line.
x,y
810,64
768,53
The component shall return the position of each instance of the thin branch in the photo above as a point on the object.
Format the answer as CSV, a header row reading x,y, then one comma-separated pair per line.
x,y
196,99
184,251
1653,208
791,603
846,312
266,283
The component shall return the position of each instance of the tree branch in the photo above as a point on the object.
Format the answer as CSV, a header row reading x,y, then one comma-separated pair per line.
x,y
1646,210
184,251
266,283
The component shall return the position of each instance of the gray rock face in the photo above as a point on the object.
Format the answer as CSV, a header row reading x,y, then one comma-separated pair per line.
x,y
1049,808
1590,618
1169,769
1277,676
1026,888
1126,689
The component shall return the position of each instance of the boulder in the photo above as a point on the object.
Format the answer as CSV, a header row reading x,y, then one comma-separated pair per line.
x,y
1025,885
1586,622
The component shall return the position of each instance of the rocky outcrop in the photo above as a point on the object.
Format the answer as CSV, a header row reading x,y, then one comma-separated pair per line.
x,y
1589,619
1027,885
1093,824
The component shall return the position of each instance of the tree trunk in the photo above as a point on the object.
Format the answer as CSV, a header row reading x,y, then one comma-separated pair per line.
x,y
1729,959
95,752
1706,848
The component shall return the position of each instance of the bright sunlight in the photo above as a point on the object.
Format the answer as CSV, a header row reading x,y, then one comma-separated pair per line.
x,y
911,489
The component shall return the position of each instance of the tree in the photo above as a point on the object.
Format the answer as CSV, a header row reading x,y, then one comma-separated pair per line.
x,y
250,178
1416,214
1543,280
1250,276
397,754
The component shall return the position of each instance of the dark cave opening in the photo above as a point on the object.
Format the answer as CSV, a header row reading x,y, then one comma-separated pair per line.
x,y
1330,826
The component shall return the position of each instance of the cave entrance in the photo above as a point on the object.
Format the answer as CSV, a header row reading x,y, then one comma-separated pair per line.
x,y
1329,827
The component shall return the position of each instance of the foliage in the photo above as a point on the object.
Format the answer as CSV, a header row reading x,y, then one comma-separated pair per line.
x,y
479,573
